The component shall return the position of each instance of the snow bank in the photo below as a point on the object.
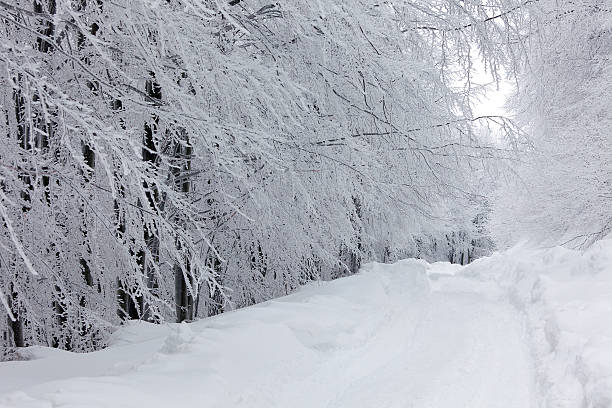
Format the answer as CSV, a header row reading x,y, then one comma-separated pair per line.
x,y
407,334
238,359
566,296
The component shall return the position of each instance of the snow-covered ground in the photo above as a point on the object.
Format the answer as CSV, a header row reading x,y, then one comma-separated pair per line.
x,y
520,329
566,297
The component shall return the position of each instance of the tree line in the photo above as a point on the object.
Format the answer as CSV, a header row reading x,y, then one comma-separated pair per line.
x,y
166,160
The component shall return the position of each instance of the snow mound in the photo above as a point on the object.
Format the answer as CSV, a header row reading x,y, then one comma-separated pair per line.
x,y
519,329
240,358
567,298
179,341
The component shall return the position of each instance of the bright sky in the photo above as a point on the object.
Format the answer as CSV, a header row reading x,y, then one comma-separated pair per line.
x,y
493,100
495,95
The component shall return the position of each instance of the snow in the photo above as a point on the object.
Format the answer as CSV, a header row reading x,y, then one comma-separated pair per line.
x,y
523,328
566,297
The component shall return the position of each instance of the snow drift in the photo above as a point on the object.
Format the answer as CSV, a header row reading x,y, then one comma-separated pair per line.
x,y
241,358
566,296
522,328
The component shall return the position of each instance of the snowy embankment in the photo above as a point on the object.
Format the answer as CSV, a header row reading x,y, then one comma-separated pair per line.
x,y
510,331
566,296
388,337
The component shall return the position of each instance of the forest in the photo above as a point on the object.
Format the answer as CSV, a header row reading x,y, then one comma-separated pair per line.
x,y
171,160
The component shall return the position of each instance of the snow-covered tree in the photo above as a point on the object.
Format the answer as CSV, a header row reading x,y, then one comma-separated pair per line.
x,y
173,159
562,192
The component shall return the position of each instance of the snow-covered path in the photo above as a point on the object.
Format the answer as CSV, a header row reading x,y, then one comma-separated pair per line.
x,y
389,337
462,351
454,347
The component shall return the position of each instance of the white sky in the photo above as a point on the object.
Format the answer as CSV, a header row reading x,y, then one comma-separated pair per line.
x,y
493,100
494,96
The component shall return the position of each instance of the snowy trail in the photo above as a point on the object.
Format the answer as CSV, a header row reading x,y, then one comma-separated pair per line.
x,y
450,349
389,337
465,352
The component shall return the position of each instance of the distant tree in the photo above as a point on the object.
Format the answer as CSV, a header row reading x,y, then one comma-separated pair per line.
x,y
562,191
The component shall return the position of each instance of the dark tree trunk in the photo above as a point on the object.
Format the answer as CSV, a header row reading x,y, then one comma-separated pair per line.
x,y
355,256
181,169
184,298
16,326
24,140
44,45
89,158
150,154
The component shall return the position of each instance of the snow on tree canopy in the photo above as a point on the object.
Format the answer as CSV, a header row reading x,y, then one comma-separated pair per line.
x,y
172,160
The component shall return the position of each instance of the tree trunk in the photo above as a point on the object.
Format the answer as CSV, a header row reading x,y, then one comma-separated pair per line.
x,y
184,290
15,326
150,154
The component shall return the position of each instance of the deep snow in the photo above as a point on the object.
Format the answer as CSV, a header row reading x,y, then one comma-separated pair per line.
x,y
520,329
566,297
